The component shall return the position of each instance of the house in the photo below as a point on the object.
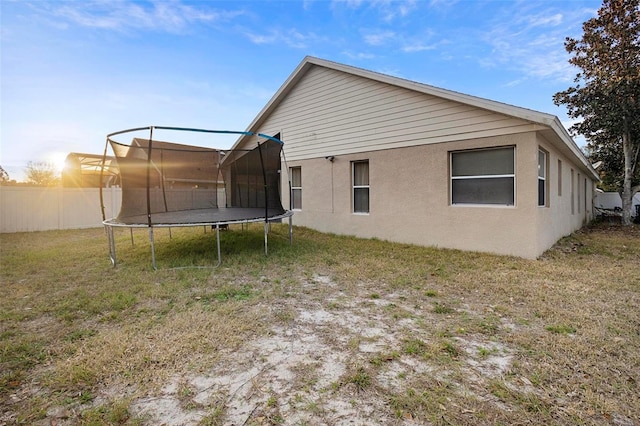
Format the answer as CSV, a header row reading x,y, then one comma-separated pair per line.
x,y
377,156
87,171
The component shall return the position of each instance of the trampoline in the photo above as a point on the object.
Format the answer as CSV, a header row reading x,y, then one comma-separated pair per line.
x,y
168,184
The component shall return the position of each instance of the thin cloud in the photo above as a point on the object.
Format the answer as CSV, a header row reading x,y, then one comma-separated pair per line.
x,y
379,38
359,55
292,38
419,47
172,17
421,44
532,44
442,4
387,9
545,20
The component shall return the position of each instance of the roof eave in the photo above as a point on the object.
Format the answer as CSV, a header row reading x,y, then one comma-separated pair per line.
x,y
545,119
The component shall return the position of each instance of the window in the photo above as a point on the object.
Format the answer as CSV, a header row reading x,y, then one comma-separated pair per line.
x,y
296,188
579,205
573,186
559,178
542,178
585,194
485,176
360,186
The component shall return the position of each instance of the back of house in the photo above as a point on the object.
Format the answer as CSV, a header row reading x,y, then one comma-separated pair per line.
x,y
372,155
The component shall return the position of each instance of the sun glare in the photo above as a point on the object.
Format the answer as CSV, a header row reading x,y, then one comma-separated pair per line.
x,y
57,159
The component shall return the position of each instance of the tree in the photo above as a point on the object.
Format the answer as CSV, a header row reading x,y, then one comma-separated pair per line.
x,y
607,94
42,173
4,176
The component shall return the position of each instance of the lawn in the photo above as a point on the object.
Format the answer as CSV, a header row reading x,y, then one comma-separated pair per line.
x,y
330,330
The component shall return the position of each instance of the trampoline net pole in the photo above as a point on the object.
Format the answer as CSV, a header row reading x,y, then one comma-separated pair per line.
x,y
148,170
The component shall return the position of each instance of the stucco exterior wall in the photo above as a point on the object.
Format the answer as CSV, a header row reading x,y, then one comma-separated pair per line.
x,y
409,199
569,201
410,203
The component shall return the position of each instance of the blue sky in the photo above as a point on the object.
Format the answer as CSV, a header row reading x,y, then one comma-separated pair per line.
x,y
74,71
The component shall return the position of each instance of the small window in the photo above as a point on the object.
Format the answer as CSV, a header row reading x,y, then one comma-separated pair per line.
x,y
361,186
578,190
542,178
585,195
559,178
296,188
485,176
573,187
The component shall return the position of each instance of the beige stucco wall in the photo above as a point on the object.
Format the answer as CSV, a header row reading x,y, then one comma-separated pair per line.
x,y
409,200
558,218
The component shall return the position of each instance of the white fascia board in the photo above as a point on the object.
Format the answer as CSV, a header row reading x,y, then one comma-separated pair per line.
x,y
560,130
275,99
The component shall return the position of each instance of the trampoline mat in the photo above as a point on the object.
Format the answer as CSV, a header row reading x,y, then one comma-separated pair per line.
x,y
200,217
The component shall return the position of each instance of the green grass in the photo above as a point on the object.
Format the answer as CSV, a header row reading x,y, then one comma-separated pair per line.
x,y
561,329
406,332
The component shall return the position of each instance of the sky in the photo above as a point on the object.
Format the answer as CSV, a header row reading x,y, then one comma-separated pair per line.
x,y
72,72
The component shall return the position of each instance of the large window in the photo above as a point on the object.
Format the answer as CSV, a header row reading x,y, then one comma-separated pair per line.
x,y
360,186
484,176
296,188
542,178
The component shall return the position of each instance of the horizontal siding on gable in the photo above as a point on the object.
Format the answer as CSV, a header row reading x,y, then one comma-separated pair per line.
x,y
329,112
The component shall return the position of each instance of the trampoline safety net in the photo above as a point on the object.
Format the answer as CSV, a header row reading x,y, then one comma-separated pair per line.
x,y
165,183
168,184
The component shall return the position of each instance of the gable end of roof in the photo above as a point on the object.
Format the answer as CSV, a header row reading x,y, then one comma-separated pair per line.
x,y
536,117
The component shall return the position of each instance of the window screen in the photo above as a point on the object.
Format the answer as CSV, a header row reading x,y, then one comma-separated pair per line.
x,y
296,188
542,178
484,176
361,187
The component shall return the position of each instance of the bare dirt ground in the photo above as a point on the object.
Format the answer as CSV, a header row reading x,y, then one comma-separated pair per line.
x,y
318,369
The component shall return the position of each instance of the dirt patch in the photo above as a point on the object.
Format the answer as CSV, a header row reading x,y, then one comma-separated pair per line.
x,y
303,372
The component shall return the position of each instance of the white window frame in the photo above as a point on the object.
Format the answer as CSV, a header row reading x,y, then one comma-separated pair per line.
x,y
452,178
354,187
296,188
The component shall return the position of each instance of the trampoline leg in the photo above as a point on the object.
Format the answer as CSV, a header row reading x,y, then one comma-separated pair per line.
x,y
131,232
112,245
290,230
218,242
266,231
153,249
